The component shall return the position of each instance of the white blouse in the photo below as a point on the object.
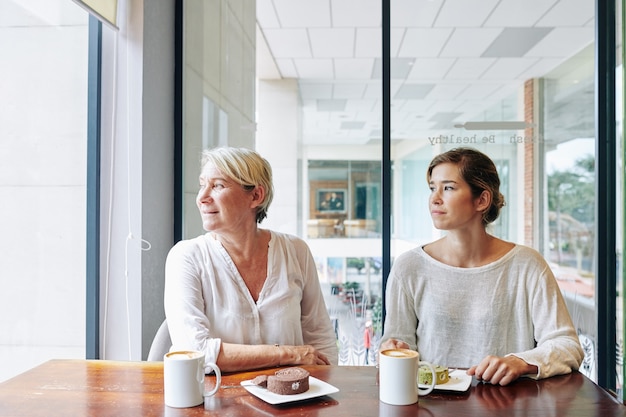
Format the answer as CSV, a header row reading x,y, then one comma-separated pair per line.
x,y
207,301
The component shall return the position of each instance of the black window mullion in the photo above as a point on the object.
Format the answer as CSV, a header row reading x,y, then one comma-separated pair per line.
x,y
92,331
606,274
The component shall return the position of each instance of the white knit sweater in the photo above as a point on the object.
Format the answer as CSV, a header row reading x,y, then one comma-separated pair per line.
x,y
456,316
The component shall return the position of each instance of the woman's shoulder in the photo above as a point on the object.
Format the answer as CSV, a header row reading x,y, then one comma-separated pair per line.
x,y
525,258
193,245
526,252
287,238
288,248
411,258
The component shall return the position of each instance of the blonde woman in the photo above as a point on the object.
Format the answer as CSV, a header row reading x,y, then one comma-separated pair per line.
x,y
247,297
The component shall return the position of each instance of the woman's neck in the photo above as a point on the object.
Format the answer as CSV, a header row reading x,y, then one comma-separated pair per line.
x,y
464,251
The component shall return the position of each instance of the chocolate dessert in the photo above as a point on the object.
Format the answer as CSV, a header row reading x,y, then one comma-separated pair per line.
x,y
288,381
260,380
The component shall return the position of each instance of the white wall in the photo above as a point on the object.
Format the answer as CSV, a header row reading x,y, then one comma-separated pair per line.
x,y
43,145
277,141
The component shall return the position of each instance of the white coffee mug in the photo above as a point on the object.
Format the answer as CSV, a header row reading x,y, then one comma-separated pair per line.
x,y
183,378
398,376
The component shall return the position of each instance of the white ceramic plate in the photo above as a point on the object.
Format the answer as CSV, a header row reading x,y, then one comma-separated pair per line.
x,y
317,388
459,381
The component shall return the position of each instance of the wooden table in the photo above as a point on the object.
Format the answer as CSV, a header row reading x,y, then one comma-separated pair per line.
x,y
109,388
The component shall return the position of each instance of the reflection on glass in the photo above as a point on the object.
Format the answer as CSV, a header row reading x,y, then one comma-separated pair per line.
x,y
345,199
345,207
511,79
218,89
569,193
486,77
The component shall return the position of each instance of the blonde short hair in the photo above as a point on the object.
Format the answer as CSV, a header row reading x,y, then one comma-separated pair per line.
x,y
247,168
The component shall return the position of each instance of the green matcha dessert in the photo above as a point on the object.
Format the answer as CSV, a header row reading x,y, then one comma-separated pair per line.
x,y
425,376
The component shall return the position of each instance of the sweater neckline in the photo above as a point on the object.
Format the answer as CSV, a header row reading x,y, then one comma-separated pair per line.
x,y
490,265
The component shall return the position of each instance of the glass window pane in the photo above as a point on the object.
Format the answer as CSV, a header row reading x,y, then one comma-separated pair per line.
x,y
43,142
570,190
344,233
511,79
218,82
515,81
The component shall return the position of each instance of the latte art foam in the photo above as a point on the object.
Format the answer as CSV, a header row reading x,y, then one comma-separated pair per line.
x,y
399,353
183,355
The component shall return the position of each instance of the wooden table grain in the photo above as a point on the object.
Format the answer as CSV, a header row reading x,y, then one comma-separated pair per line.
x,y
114,388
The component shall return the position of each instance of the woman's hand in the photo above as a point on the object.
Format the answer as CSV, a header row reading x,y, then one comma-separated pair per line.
x,y
501,370
302,355
393,344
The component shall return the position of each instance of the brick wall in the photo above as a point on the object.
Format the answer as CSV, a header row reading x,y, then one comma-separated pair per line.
x,y
529,173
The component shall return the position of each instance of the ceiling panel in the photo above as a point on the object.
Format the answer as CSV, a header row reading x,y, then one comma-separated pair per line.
x,y
349,91
422,42
430,68
411,13
333,105
368,43
516,42
356,69
507,68
446,91
469,68
314,68
413,91
266,66
478,92
399,68
375,90
315,90
266,15
570,13
287,68
288,43
368,15
396,37
332,43
302,13
361,105
469,42
514,13
451,59
539,68
563,42
464,13
415,107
